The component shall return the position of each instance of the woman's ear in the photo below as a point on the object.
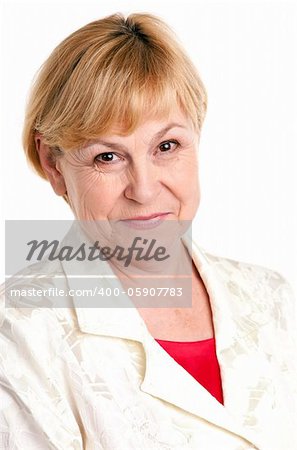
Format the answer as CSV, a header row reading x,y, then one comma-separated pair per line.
x,y
49,165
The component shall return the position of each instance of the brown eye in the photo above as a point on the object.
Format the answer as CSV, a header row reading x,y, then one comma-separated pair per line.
x,y
105,157
168,146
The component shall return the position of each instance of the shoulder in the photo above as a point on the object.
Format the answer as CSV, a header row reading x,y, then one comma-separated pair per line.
x,y
29,307
34,286
262,304
253,288
249,277
260,296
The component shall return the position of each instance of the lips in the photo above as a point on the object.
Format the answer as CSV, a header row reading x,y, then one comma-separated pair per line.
x,y
152,216
145,222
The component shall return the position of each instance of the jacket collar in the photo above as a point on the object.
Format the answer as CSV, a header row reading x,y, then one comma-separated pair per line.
x,y
125,322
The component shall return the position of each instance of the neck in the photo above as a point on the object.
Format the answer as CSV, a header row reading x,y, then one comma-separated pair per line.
x,y
157,281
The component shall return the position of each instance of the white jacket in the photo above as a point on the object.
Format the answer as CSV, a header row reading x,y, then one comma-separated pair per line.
x,y
94,378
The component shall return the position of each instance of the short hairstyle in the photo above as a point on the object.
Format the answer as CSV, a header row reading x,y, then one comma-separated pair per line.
x,y
111,71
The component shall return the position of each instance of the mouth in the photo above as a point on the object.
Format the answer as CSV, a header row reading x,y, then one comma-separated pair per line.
x,y
151,216
145,222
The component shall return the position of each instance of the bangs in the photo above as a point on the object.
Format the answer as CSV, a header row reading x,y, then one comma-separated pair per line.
x,y
135,82
124,112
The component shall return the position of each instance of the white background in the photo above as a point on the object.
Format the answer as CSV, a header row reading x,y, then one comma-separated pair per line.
x,y
246,53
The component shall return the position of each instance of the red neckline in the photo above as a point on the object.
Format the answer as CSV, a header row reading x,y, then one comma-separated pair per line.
x,y
185,342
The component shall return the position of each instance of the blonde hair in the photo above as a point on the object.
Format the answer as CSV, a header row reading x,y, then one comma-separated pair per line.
x,y
109,72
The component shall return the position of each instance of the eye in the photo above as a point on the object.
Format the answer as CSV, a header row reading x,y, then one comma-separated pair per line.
x,y
168,146
105,158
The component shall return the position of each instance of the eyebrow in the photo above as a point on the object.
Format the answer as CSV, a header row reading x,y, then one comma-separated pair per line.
x,y
158,135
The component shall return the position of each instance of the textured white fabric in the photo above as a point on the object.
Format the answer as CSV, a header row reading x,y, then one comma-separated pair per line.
x,y
94,378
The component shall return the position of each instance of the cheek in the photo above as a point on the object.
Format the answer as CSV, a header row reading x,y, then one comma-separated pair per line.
x,y
95,194
186,175
189,190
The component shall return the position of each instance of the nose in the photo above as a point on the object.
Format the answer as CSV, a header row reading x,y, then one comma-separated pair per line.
x,y
144,184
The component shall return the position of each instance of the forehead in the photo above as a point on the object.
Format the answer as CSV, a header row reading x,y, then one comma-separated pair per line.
x,y
153,125
149,130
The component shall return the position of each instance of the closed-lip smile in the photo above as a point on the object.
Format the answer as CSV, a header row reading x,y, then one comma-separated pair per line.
x,y
145,222
152,216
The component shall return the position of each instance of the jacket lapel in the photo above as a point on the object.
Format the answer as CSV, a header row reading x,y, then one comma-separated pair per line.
x,y
185,392
254,389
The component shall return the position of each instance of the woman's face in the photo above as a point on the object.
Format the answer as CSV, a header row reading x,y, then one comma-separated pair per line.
x,y
151,171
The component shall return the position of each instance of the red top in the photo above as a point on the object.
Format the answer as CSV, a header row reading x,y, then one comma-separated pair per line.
x,y
200,360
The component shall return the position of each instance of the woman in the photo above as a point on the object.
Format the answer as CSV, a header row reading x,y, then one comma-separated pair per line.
x,y
113,123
